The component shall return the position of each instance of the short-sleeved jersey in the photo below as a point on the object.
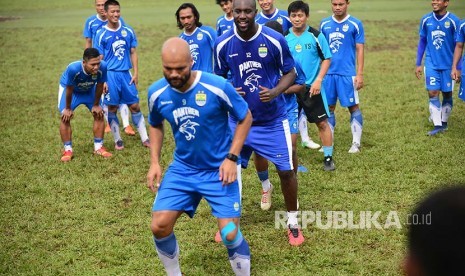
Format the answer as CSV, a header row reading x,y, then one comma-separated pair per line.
x,y
279,15
115,46
461,38
223,25
198,118
342,37
291,99
93,24
76,76
440,39
260,61
309,49
201,43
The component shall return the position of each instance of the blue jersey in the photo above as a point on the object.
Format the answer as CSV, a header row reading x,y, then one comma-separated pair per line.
x,y
309,49
279,15
440,39
291,99
223,25
259,61
342,37
93,24
115,46
198,118
75,76
201,43
461,38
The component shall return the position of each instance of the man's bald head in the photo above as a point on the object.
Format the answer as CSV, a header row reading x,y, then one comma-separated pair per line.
x,y
175,49
177,63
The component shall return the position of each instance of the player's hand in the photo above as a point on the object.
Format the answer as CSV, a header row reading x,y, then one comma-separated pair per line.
x,y
315,88
266,95
228,172
358,82
67,115
154,177
134,80
105,88
418,72
456,75
97,111
239,91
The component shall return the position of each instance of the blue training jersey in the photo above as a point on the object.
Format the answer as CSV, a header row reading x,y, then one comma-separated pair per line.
x,y
201,43
461,38
198,118
115,46
223,25
342,37
440,39
279,15
76,76
309,49
259,61
93,24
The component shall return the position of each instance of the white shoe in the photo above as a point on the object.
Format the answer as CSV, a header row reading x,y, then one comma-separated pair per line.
x,y
310,144
321,149
265,203
355,148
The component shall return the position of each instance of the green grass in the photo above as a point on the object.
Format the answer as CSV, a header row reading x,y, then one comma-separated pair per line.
x,y
92,216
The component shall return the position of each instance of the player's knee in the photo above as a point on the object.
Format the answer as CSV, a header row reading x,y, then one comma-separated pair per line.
x,y
229,233
134,107
160,228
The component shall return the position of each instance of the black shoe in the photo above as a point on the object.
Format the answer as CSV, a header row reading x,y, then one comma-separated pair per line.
x,y
328,164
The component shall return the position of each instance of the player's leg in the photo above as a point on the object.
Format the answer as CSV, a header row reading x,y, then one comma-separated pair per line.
x,y
225,203
238,248
99,132
433,86
65,126
261,165
176,195
165,241
307,141
329,85
327,141
105,114
124,112
348,97
131,98
447,86
112,100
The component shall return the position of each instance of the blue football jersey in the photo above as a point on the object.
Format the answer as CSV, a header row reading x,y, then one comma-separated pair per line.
x,y
198,118
115,46
201,43
223,25
342,37
461,38
75,76
279,15
440,39
93,24
309,49
259,61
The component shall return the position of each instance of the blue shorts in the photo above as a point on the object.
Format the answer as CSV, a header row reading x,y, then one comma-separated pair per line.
x,y
293,118
119,90
438,80
77,99
273,142
182,189
342,88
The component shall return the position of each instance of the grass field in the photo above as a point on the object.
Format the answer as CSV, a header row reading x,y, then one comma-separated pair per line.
x,y
92,216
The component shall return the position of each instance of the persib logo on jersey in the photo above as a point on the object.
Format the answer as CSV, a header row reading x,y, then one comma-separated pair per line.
x,y
262,51
345,28
280,20
124,33
200,98
298,48
447,24
199,36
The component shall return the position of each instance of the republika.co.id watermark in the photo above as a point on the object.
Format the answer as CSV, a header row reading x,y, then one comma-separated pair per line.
x,y
352,220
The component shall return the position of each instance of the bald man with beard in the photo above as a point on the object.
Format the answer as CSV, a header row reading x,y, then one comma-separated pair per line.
x,y
205,160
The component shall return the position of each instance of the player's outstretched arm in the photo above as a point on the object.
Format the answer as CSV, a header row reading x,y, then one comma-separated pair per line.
x,y
156,140
228,169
